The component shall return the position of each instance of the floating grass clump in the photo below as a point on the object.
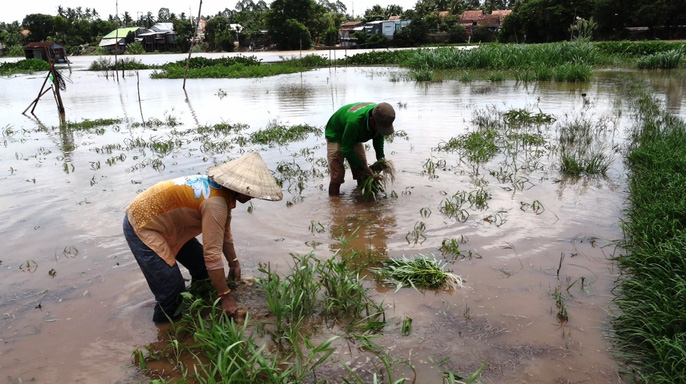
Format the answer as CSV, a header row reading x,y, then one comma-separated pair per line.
x,y
236,67
90,124
24,66
278,134
107,64
421,272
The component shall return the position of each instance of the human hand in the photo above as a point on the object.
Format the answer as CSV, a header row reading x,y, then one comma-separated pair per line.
x,y
229,305
234,270
371,173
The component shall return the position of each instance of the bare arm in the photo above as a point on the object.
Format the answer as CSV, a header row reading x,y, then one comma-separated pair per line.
x,y
219,281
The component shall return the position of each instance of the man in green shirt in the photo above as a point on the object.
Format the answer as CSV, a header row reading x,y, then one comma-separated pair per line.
x,y
346,130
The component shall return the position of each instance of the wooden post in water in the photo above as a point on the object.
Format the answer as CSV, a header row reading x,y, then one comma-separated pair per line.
x,y
195,34
116,40
52,73
56,87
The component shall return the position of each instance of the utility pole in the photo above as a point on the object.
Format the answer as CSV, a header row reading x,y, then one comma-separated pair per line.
x,y
195,34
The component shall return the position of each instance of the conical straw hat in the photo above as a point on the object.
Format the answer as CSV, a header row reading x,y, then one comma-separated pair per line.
x,y
248,175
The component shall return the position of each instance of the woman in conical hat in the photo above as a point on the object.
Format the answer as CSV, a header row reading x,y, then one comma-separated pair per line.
x,y
161,225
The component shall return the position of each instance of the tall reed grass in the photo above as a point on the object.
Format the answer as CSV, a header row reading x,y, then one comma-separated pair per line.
x,y
661,60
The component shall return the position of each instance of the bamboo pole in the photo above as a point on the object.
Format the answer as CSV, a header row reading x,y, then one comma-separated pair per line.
x,y
195,34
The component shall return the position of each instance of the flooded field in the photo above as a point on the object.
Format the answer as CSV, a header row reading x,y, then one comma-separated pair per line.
x,y
535,247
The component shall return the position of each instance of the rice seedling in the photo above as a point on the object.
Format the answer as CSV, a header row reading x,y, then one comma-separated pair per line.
x,y
29,266
431,165
536,207
562,315
419,273
388,362
417,234
316,227
454,378
451,248
523,117
406,326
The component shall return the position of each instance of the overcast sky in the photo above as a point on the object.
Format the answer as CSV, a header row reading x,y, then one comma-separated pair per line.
x,y
13,10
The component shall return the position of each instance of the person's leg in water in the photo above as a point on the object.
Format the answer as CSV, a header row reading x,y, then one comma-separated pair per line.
x,y
359,175
336,168
165,281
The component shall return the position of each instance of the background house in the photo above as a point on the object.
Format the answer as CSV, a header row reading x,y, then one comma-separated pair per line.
x,y
46,50
117,39
476,18
160,37
345,33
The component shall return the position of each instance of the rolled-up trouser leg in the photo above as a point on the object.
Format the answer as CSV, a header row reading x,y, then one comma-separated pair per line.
x,y
165,281
359,174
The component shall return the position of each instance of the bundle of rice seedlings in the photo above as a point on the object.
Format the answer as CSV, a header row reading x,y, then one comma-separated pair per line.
x,y
385,168
371,187
421,272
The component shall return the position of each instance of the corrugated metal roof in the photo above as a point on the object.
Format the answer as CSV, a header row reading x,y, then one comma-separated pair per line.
x,y
41,44
159,27
121,32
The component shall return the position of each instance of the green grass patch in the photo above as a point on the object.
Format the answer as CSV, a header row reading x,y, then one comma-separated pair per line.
x,y
90,124
24,66
661,60
108,64
236,67
278,134
650,332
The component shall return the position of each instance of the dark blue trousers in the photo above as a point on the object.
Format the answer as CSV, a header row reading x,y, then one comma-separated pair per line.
x,y
166,282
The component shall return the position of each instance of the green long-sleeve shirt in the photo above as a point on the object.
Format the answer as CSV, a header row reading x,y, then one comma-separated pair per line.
x,y
350,125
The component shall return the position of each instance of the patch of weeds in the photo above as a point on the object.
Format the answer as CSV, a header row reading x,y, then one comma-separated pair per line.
x,y
90,124
582,147
422,75
277,134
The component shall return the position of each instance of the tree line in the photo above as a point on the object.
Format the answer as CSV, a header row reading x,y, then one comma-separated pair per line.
x,y
298,24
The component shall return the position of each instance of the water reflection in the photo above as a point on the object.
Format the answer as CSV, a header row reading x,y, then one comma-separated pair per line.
x,y
362,226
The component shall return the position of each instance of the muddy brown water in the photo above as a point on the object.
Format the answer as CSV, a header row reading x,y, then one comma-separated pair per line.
x,y
74,304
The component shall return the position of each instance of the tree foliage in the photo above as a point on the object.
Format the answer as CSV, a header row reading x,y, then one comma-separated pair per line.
x,y
290,23
41,26
540,21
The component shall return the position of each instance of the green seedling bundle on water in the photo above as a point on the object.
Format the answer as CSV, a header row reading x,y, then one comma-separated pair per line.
x,y
421,272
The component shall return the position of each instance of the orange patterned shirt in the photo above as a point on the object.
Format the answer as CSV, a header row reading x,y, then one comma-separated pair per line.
x,y
170,213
